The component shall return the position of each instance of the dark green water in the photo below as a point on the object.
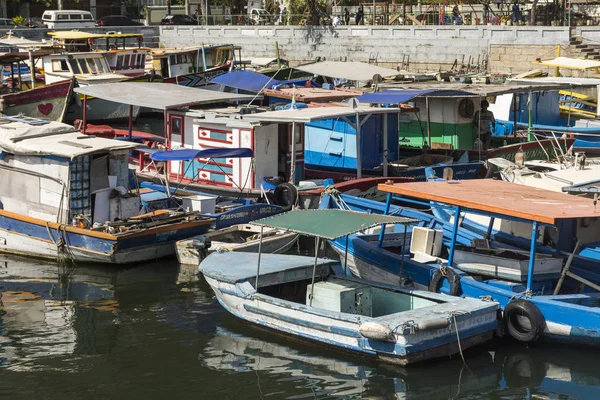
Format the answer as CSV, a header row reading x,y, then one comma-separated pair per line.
x,y
156,332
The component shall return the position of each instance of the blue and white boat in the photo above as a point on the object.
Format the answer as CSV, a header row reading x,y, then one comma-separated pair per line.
x,y
543,292
302,297
66,195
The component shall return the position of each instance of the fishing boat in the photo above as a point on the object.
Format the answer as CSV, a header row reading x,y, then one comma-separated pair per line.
x,y
67,196
239,237
544,300
302,297
192,66
124,52
49,101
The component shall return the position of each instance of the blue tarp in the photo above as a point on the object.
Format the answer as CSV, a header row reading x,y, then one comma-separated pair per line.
x,y
190,154
394,96
245,80
254,82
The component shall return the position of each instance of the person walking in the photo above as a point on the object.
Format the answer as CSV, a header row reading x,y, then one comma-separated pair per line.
x,y
516,13
346,16
358,18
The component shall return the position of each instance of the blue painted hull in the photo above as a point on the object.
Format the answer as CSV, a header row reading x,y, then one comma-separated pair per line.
x,y
33,237
572,318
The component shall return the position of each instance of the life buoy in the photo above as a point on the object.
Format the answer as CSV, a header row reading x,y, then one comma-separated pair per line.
x,y
445,273
285,195
524,321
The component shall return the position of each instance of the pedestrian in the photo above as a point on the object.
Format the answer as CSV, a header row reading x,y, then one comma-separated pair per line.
x,y
486,12
282,15
456,15
516,13
346,16
482,120
358,18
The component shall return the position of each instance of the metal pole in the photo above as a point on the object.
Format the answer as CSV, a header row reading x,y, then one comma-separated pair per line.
x,y
346,258
258,262
388,202
32,69
84,112
529,117
385,145
454,233
428,122
401,274
490,227
532,256
130,120
358,149
312,286
293,155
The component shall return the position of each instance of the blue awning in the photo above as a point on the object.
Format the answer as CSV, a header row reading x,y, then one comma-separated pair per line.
x,y
190,154
394,96
245,80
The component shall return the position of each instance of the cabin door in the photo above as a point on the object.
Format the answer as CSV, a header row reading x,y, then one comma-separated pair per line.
x,y
285,151
176,139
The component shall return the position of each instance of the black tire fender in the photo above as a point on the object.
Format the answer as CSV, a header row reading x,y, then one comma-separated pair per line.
x,y
450,275
514,313
285,195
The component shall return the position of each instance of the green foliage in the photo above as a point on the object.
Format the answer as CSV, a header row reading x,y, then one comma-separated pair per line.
x,y
18,20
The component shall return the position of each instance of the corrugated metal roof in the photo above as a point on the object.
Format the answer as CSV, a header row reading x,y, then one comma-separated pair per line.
x,y
355,71
329,224
303,115
160,96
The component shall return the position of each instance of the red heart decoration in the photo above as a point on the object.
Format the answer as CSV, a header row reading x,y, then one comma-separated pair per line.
x,y
45,108
204,175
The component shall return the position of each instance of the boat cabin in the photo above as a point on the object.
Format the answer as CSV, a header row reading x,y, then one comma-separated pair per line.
x,y
54,173
124,51
89,68
172,63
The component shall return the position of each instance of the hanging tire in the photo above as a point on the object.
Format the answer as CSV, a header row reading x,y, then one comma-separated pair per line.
x,y
524,321
285,195
449,274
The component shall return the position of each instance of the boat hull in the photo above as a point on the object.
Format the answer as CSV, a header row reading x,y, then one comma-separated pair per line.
x,y
302,322
27,236
47,102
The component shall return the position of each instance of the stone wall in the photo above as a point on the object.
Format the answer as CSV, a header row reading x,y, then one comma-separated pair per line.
x,y
428,47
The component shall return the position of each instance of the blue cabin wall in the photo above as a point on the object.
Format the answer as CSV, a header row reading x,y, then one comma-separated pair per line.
x,y
545,108
332,143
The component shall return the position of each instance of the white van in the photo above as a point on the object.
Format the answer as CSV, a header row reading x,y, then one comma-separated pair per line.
x,y
68,19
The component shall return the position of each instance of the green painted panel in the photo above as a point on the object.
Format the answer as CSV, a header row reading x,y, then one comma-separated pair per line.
x,y
460,136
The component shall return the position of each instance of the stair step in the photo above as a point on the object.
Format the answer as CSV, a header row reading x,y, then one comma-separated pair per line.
x,y
581,46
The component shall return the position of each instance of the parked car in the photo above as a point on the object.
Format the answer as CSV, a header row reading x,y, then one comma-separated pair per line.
x,y
68,19
34,23
117,20
7,23
178,19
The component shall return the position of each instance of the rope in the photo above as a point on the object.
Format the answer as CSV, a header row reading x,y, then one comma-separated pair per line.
x,y
458,340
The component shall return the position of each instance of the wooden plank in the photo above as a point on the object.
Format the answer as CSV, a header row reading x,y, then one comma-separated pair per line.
x,y
500,197
413,19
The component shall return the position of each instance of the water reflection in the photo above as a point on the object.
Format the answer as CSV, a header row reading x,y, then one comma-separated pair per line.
x,y
514,372
158,329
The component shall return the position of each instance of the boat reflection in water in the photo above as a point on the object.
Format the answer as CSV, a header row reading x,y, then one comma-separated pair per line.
x,y
50,310
512,372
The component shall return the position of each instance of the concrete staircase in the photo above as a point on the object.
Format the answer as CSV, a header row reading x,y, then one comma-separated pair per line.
x,y
589,51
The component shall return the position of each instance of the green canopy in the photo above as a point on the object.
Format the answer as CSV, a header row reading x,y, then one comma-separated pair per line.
x,y
329,224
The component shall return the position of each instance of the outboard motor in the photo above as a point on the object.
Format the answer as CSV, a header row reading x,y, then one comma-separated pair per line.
x,y
201,244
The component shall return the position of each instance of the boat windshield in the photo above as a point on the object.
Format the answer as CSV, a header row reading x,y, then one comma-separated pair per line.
x,y
89,66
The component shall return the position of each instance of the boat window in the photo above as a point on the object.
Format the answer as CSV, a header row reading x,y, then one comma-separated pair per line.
x,y
74,66
119,63
92,65
172,59
83,65
143,60
179,59
59,65
99,65
176,125
132,65
126,62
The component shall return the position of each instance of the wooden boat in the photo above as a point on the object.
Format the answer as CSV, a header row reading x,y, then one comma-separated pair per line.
x,y
549,304
301,297
67,196
240,237
49,101
192,66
